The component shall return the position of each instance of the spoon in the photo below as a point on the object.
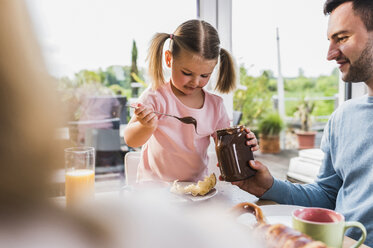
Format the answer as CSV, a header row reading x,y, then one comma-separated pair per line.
x,y
186,120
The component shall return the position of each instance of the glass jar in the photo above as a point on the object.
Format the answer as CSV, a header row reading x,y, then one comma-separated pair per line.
x,y
233,154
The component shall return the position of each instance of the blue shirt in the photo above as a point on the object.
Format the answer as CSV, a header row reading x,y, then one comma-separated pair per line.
x,y
345,180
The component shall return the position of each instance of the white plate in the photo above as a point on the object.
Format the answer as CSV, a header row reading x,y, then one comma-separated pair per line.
x,y
274,214
190,197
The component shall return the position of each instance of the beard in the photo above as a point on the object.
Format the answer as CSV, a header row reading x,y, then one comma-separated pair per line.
x,y
362,69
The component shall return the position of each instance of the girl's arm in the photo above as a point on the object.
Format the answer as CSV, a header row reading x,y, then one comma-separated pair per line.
x,y
141,126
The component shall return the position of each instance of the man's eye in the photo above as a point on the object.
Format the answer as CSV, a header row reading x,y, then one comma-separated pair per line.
x,y
342,39
186,74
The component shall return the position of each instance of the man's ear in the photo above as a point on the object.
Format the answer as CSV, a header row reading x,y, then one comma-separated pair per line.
x,y
168,58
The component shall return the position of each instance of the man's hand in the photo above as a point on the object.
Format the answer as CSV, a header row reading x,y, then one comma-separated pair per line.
x,y
259,183
252,141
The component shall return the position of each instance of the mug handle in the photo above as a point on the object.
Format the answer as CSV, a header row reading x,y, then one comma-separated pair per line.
x,y
350,224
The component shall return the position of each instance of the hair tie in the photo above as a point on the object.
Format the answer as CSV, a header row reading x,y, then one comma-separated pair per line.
x,y
171,36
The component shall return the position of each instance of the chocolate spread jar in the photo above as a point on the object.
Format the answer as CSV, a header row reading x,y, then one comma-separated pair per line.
x,y
233,154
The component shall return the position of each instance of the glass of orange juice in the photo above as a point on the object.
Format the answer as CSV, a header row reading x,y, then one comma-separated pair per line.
x,y
79,175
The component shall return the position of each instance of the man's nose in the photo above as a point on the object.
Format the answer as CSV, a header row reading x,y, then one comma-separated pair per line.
x,y
333,52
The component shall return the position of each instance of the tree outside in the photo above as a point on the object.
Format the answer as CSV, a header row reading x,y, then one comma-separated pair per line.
x,y
256,100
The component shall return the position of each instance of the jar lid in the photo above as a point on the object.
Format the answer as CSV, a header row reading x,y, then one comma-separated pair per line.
x,y
231,130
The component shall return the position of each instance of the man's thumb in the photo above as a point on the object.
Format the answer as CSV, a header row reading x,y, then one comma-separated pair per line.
x,y
256,165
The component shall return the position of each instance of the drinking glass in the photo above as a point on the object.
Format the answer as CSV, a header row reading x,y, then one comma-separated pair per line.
x,y
79,175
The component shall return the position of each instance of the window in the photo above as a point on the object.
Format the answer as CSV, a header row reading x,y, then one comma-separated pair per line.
x,y
89,34
302,27
87,45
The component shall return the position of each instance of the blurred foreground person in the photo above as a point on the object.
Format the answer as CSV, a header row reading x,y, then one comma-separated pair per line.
x,y
29,117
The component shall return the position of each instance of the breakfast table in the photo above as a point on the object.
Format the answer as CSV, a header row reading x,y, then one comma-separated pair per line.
x,y
225,194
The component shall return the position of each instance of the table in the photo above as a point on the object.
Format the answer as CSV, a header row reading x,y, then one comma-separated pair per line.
x,y
228,196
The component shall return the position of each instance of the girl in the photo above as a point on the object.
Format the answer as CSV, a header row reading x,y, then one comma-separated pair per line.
x,y
171,149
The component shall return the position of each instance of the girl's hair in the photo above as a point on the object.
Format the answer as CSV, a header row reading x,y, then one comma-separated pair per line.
x,y
199,38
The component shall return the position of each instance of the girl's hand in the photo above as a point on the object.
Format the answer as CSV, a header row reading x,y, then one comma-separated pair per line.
x,y
145,115
252,141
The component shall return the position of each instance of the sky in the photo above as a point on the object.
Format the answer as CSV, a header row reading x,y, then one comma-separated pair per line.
x,y
92,34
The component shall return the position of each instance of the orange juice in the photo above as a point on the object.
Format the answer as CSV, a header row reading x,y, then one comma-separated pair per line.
x,y
79,186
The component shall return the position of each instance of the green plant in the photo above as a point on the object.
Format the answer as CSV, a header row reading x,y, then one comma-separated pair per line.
x,y
271,124
304,110
119,90
134,69
254,99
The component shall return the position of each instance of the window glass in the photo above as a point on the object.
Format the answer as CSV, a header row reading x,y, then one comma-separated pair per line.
x,y
310,81
96,50
302,27
88,34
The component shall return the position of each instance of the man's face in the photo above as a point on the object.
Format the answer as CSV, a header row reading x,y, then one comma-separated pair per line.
x,y
351,45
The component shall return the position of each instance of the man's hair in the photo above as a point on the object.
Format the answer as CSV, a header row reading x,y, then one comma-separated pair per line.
x,y
362,8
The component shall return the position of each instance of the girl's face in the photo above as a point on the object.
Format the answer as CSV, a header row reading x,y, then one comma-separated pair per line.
x,y
189,72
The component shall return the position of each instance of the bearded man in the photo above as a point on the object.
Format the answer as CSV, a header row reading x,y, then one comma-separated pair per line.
x,y
345,180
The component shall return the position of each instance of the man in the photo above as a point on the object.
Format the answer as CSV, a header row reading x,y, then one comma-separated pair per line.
x,y
345,180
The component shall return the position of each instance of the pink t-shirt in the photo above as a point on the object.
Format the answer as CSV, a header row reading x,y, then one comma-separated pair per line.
x,y
175,150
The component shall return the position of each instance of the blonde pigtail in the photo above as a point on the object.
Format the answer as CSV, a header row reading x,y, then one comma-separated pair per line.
x,y
155,55
227,73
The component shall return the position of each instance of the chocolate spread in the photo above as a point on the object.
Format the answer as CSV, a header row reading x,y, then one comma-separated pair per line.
x,y
233,154
189,120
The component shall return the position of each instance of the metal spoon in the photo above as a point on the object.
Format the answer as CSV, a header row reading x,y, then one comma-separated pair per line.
x,y
186,120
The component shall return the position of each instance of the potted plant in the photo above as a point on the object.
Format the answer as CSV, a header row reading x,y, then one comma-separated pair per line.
x,y
306,137
269,133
